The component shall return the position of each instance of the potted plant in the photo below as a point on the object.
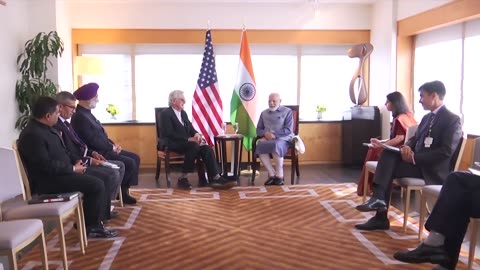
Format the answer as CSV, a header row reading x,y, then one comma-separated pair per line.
x,y
112,110
33,64
320,110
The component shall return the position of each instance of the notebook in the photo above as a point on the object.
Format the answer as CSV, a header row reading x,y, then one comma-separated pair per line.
x,y
57,197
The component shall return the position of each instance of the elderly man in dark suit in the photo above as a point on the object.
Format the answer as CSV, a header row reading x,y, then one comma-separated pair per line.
x,y
426,155
52,170
181,137
93,134
459,200
112,177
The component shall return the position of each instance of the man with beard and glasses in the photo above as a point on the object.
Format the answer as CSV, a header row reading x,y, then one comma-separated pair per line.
x,y
94,135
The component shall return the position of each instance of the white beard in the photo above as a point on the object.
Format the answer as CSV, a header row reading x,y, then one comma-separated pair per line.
x,y
274,108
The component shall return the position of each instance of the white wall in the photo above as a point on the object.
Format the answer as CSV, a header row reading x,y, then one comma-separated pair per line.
x,y
383,60
20,21
13,33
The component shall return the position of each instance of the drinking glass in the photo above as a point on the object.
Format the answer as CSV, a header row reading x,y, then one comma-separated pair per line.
x,y
235,127
224,128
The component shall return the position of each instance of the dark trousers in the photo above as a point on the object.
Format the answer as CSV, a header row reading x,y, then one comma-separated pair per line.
x,y
110,178
132,166
93,190
192,151
391,166
458,201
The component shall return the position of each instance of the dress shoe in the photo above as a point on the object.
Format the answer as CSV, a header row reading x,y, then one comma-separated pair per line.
x,y
373,204
113,214
269,181
222,183
127,199
101,232
422,254
184,184
203,183
277,181
375,223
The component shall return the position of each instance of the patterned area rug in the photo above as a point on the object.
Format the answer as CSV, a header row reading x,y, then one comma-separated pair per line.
x,y
289,227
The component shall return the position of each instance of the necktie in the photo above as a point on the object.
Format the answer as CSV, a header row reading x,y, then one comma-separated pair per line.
x,y
75,136
423,133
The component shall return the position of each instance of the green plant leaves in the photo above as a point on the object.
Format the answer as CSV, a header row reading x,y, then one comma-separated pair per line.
x,y
33,64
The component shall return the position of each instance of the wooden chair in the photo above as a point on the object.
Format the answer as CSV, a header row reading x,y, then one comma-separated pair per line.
x,y
18,208
169,157
292,153
17,234
371,166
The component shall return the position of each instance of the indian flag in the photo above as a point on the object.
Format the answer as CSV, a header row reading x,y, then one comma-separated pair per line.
x,y
244,98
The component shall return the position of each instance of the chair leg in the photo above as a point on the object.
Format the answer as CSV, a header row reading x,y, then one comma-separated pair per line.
x,y
297,168
423,210
43,254
120,196
157,171
406,208
293,172
365,186
82,220
80,230
167,173
12,260
254,169
63,245
473,243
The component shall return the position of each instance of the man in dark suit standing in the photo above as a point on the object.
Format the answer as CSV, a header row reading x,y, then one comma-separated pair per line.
x,y
93,134
52,170
426,155
112,177
459,200
181,137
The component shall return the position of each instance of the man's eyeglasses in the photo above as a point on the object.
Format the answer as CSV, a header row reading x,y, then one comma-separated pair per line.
x,y
70,106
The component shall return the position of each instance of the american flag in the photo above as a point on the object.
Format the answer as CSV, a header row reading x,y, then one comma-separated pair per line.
x,y
207,108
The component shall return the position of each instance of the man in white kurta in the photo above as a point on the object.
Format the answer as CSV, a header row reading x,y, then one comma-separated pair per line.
x,y
276,127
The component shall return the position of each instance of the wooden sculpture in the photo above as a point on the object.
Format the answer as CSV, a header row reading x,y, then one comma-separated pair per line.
x,y
362,51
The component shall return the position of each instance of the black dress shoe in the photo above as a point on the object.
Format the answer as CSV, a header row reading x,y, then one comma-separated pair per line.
x,y
101,232
375,223
203,183
422,254
113,214
373,204
222,183
127,199
184,184
277,181
269,181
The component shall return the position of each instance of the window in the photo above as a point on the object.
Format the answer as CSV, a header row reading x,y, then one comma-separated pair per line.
x,y
115,82
326,72
160,68
450,54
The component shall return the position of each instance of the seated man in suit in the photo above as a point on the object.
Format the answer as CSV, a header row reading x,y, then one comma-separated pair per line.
x,y
92,133
52,170
181,137
77,148
428,155
275,125
459,200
